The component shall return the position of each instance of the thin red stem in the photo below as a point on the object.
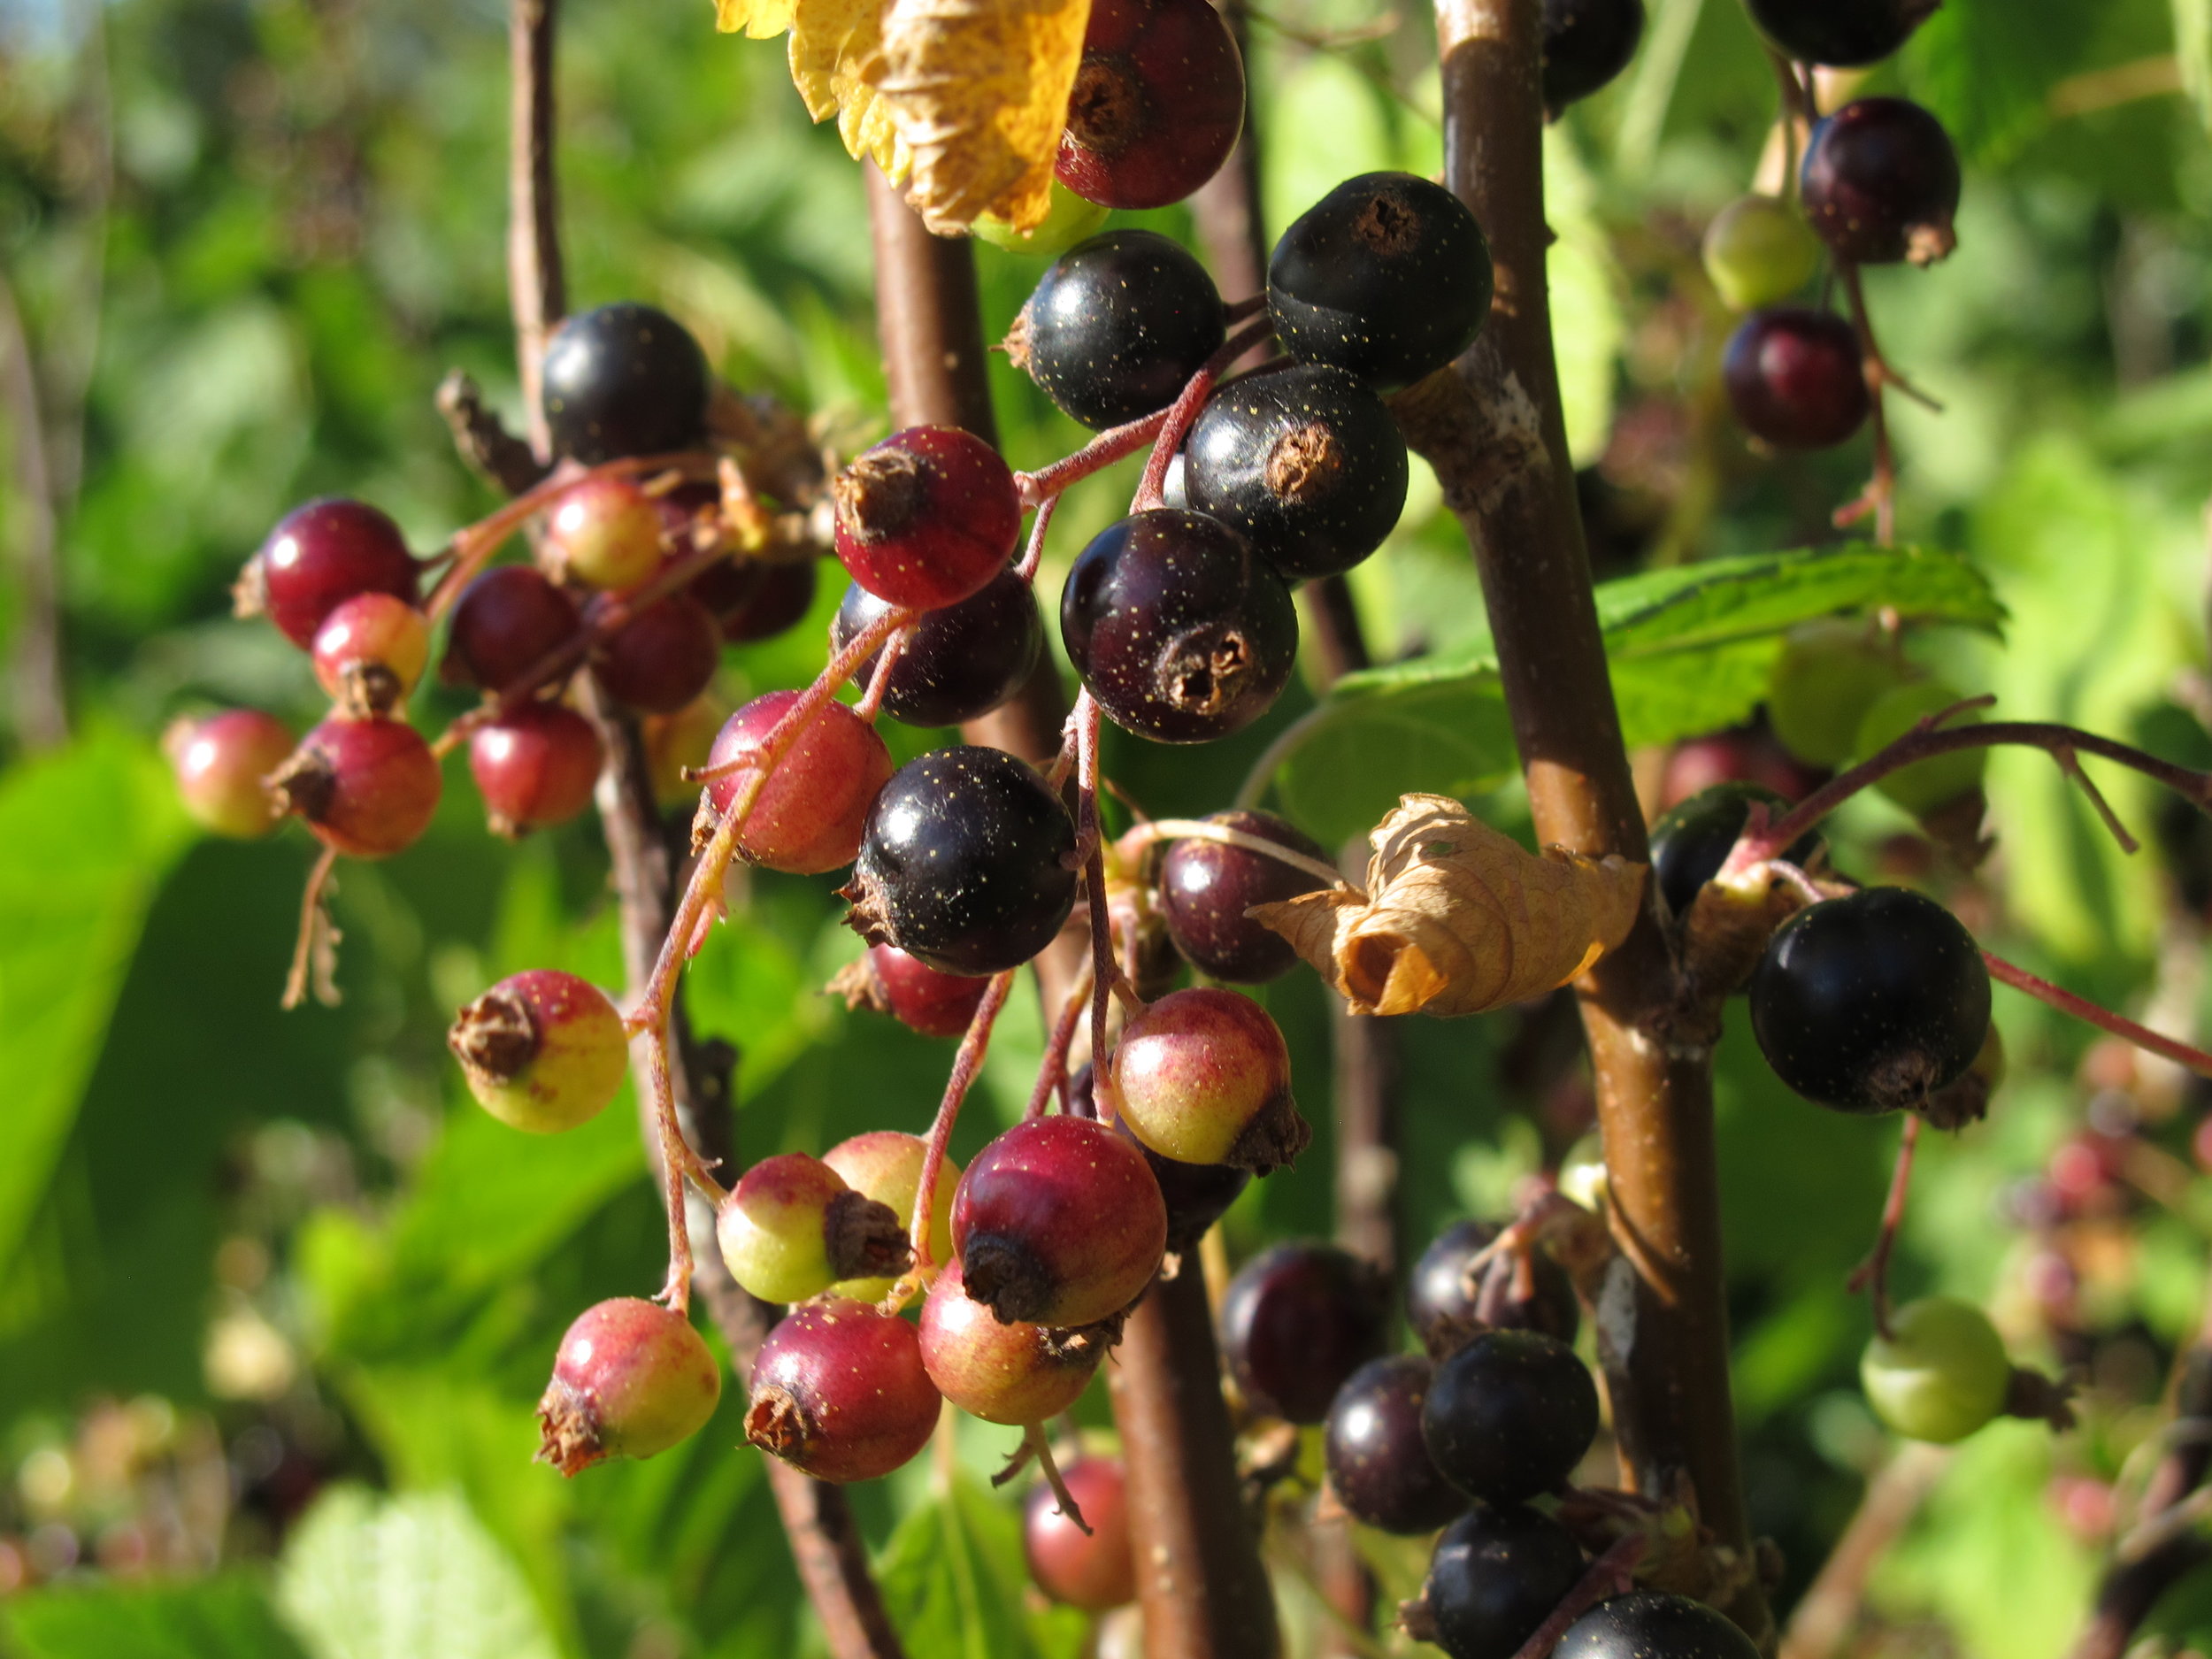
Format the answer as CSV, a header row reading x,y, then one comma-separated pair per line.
x,y
1053,1073
1036,551
1184,410
2142,1036
1609,1575
1881,493
965,1064
1873,1274
311,927
1105,971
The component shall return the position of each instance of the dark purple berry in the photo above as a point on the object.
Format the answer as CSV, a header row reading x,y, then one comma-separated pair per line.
x,y
623,380
1647,1623
1380,1467
1691,842
751,601
1118,325
964,660
1846,32
1158,105
1296,1321
1795,378
318,556
1587,43
1880,183
506,621
1446,1310
663,658
1496,1574
1509,1415
1207,886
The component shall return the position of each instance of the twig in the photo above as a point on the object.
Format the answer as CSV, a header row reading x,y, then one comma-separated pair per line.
x,y
482,438
1881,494
1873,1274
537,288
311,951
2142,1036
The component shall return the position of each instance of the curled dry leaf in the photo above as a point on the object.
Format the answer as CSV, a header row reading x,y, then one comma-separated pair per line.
x,y
1456,917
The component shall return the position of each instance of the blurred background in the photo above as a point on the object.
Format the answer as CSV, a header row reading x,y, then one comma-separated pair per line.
x,y
275,1303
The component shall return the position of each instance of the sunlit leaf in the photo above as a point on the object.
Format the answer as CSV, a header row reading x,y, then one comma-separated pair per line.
x,y
219,1618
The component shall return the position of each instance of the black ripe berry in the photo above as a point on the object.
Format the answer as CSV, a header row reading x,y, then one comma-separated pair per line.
x,y
1387,276
1496,1576
1840,32
1691,840
1586,42
1157,103
1645,1624
1446,1309
1206,887
1307,463
966,862
1117,324
1795,378
1880,183
1380,1467
964,660
623,380
1296,1321
1178,627
1873,1002
1511,1415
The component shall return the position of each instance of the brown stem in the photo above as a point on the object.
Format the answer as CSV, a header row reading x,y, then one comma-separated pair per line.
x,y
40,707
536,288
1881,493
1492,429
482,438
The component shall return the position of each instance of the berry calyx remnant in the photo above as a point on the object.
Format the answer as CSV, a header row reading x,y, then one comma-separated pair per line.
x,y
367,789
318,556
535,767
1939,1374
1880,183
807,818
886,980
369,652
624,378
543,1051
1118,325
1509,1415
222,763
927,517
1157,103
840,1392
792,1227
1095,1571
887,1166
1296,1321
632,1379
1202,1076
1795,378
1011,1373
1379,1465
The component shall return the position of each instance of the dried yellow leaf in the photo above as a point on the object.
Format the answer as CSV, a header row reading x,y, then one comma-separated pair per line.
x,y
1457,918
758,20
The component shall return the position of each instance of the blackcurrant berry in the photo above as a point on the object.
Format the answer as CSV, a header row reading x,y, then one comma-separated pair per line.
x,y
839,1391
222,763
964,660
751,601
535,767
1446,1310
632,1379
1196,1195
1118,325
369,652
1846,32
623,380
1873,1002
792,1227
1207,886
1496,1574
1013,1373
1093,1572
1157,103
1509,1415
886,980
927,517
506,621
661,657
605,533
1379,1465
541,1051
1691,842
1795,378
365,787
1306,461
1387,276
1296,1321
1759,251
318,556
807,817
1939,1374
1829,674
1880,183
1180,632
1645,1623
966,862
1587,43
1203,1077
887,1166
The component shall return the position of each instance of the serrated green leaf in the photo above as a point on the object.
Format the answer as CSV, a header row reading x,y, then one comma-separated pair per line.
x,y
955,1583
229,1617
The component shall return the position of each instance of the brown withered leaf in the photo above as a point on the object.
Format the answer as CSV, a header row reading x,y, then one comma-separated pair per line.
x,y
1457,918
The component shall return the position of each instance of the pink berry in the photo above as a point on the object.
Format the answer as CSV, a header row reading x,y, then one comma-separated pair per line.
x,y
605,533
632,1379
320,556
1013,1374
1059,1222
535,767
840,1392
366,787
1203,1077
1093,1572
664,657
791,1228
543,1051
221,764
505,622
886,980
1795,378
809,815
927,517
370,651
887,1166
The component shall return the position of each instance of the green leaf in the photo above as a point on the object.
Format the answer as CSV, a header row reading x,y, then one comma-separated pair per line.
x,y
954,1584
2192,47
1987,67
227,1617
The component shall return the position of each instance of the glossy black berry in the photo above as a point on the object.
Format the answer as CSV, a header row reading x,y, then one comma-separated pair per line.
x,y
1691,840
1387,276
1446,1310
1181,631
1873,1002
1496,1574
1380,1467
1197,1194
1795,378
1206,887
623,380
1653,1625
964,660
1880,183
1840,32
966,862
1296,1321
1511,1415
1586,42
1306,461
1118,325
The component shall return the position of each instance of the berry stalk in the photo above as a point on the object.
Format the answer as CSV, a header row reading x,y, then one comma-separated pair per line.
x,y
965,1064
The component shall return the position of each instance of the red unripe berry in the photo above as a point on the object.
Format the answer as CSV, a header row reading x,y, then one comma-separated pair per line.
x,y
927,517
886,980
318,556
887,1166
543,1051
1795,378
535,767
370,651
1203,1077
222,763
663,658
1748,754
1013,1373
632,1379
809,815
1157,103
605,533
1093,1572
840,1392
791,1228
505,622
1058,1222
366,787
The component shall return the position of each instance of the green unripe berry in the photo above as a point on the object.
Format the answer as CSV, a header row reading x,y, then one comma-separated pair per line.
x,y
887,1166
543,1051
1922,787
1068,221
1759,250
791,1228
1830,674
1940,1373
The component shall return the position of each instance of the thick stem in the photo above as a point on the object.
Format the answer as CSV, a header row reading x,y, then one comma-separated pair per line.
x,y
537,289
1493,431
